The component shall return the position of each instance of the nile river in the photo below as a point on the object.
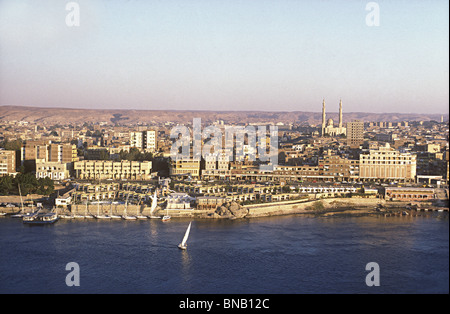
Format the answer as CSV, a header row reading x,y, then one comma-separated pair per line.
x,y
287,254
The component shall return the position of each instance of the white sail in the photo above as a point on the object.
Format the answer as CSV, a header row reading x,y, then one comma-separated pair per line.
x,y
154,203
186,235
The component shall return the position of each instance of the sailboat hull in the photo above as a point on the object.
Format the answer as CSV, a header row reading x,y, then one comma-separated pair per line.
x,y
181,247
102,217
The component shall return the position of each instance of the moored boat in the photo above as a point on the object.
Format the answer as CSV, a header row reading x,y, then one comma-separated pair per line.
x,y
103,217
40,218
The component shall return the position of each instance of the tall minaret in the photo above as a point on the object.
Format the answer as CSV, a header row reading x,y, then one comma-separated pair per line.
x,y
340,114
323,117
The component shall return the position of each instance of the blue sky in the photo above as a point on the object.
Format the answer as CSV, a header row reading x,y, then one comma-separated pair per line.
x,y
284,55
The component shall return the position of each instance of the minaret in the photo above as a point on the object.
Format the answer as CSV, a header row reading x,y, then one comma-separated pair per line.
x,y
340,114
323,117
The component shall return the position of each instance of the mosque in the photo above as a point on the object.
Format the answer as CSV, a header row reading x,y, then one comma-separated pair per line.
x,y
328,127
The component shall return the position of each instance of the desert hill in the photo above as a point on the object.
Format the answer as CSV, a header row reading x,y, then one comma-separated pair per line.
x,y
114,116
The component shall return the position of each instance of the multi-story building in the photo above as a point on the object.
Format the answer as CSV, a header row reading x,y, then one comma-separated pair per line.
x,y
338,168
33,150
43,150
64,153
185,167
106,169
7,162
146,140
355,133
53,170
387,164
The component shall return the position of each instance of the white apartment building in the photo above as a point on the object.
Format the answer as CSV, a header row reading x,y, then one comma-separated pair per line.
x,y
146,140
52,169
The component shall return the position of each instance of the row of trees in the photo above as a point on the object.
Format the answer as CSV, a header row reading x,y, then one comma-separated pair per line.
x,y
28,183
133,155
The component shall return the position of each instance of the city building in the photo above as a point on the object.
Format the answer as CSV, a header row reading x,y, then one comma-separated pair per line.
x,y
185,167
409,194
387,164
106,169
53,170
32,150
146,140
64,153
179,201
44,150
209,202
7,162
355,133
338,168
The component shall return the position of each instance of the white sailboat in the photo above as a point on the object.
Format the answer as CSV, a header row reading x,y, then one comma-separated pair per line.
x,y
166,217
21,212
183,244
125,216
86,215
78,216
154,205
98,212
63,216
110,208
140,216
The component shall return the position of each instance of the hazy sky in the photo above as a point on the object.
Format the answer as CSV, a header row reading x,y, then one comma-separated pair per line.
x,y
282,55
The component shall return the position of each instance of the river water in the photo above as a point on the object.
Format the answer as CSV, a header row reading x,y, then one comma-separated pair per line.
x,y
275,255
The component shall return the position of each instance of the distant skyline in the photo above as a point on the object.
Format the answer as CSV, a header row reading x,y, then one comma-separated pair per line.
x,y
231,55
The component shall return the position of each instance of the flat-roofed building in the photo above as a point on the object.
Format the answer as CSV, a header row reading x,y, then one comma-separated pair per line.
x,y
387,164
64,153
185,167
52,169
209,202
106,169
340,168
7,162
146,140
355,133
409,193
43,150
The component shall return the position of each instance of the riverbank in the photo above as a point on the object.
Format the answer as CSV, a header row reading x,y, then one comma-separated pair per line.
x,y
232,210
323,207
345,206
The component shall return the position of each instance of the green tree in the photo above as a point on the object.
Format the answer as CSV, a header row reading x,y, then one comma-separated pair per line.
x,y
6,185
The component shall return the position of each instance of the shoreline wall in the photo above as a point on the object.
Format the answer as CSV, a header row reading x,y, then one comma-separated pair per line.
x,y
312,205
115,209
